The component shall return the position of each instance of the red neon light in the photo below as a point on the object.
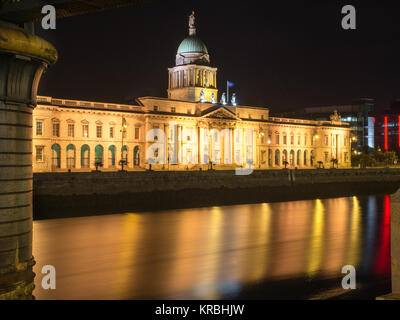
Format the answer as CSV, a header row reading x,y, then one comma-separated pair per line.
x,y
385,120
382,263
398,129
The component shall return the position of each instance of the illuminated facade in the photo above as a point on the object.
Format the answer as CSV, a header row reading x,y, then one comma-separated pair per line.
x,y
189,130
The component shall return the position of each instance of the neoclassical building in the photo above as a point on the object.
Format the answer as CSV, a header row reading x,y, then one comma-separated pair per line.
x,y
188,130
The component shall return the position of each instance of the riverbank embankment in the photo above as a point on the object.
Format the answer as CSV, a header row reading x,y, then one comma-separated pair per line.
x,y
89,193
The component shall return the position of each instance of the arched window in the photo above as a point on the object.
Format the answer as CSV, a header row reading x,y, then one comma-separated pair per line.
x,y
70,156
291,160
277,158
125,154
111,156
312,158
98,155
136,156
305,157
269,158
85,156
56,159
298,157
284,156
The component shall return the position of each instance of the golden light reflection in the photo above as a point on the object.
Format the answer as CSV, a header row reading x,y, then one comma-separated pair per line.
x,y
130,235
258,266
354,234
316,244
204,253
336,230
207,283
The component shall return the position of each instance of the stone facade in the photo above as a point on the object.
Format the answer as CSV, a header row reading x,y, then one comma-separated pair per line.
x,y
187,130
70,134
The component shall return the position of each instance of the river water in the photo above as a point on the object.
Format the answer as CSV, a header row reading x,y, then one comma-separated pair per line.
x,y
293,250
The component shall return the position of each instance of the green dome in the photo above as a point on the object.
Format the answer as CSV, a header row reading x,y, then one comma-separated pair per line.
x,y
192,44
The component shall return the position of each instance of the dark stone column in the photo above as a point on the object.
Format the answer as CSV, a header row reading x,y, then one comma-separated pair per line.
x,y
23,58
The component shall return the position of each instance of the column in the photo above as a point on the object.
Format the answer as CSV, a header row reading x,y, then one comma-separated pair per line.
x,y
178,144
210,144
20,73
166,141
147,143
232,145
222,147
256,149
244,146
199,145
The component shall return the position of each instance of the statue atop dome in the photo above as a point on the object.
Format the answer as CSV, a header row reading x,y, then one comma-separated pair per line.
x,y
192,28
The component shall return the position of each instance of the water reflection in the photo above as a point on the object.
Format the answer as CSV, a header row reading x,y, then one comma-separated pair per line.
x,y
279,250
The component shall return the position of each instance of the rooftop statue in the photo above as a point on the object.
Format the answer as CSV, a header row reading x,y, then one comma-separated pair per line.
x,y
223,98
192,28
191,20
335,116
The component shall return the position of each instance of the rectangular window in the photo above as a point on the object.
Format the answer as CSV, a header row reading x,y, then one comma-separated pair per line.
x,y
71,130
298,140
39,128
155,108
326,140
56,129
85,130
262,117
111,132
291,139
326,156
136,133
284,140
249,116
39,153
99,131
277,139
173,109
189,111
305,140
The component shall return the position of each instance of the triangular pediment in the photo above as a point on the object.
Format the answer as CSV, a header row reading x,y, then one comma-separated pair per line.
x,y
219,113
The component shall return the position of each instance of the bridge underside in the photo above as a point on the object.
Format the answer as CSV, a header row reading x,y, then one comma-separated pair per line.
x,y
30,10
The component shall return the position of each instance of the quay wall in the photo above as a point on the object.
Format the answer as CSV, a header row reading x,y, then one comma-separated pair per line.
x,y
89,193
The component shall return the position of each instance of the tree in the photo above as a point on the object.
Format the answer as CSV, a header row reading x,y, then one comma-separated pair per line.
x,y
390,158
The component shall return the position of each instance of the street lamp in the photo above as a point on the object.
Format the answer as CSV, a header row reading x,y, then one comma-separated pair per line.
x,y
123,130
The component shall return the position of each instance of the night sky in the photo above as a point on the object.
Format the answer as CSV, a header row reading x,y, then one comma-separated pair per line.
x,y
284,56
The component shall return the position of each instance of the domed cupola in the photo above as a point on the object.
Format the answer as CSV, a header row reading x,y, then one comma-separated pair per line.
x,y
192,44
192,78
192,49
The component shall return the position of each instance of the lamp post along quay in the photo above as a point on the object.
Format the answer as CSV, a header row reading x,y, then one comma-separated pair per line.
x,y
23,58
123,130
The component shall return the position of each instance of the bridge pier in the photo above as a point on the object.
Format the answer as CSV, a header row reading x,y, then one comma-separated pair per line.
x,y
394,247
23,58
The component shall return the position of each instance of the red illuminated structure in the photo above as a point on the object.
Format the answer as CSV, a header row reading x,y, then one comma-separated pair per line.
x,y
387,128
